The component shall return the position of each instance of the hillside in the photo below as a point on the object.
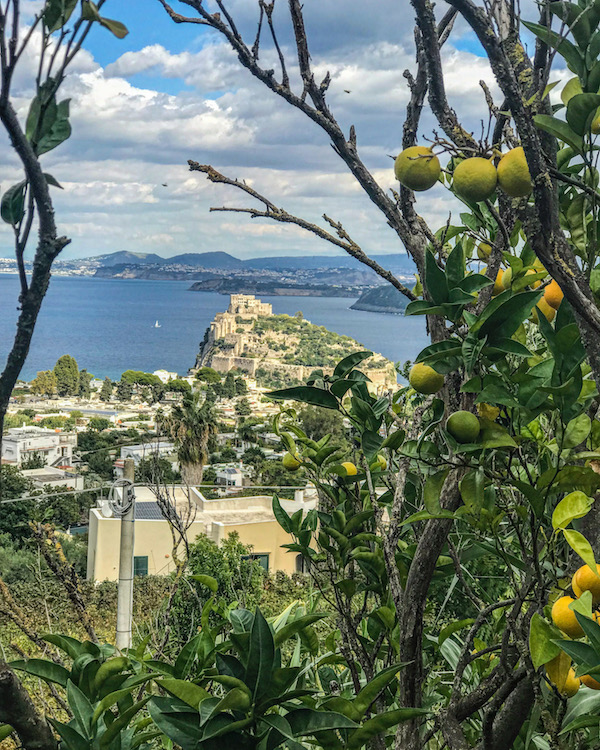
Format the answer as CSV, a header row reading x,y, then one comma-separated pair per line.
x,y
279,350
386,299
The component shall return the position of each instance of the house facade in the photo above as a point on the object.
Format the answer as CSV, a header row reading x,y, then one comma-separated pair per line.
x,y
54,447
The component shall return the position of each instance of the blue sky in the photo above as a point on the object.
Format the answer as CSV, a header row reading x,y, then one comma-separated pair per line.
x,y
142,106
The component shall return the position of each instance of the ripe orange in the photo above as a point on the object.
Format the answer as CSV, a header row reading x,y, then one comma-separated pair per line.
x,y
553,294
584,579
590,682
564,618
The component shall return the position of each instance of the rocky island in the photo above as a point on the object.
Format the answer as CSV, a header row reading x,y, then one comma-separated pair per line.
x,y
381,299
279,350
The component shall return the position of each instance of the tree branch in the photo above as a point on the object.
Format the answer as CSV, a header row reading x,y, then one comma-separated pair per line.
x,y
18,710
342,240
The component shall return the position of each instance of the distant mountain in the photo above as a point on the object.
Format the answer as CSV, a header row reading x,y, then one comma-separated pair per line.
x,y
396,262
124,257
207,260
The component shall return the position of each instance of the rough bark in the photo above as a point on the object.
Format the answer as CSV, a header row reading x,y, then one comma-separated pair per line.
x,y
18,710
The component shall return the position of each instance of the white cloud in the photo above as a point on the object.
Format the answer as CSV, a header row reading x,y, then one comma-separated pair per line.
x,y
127,184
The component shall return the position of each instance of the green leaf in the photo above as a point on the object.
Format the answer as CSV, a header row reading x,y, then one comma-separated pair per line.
x,y
372,689
110,700
261,656
493,435
507,315
281,516
574,505
58,133
187,656
559,129
57,13
455,266
347,364
566,48
5,731
380,723
71,646
207,581
46,670
432,491
453,627
435,280
121,722
72,739
306,721
81,707
581,110
12,206
187,692
580,545
541,641
591,629
394,440
306,394
52,180
581,653
472,487
287,631
577,431
115,27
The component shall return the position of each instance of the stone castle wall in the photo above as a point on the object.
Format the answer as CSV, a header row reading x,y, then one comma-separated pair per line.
x,y
243,310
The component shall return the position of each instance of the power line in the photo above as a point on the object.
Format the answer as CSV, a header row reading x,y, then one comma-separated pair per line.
x,y
145,484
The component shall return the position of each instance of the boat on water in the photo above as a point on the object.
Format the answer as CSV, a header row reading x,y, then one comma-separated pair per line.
x,y
157,324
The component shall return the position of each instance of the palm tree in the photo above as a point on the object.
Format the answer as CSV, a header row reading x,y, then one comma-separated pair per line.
x,y
190,425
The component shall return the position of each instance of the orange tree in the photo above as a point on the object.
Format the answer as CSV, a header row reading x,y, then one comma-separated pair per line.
x,y
531,205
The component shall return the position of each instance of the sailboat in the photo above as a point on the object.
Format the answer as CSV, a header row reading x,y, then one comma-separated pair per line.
x,y
157,324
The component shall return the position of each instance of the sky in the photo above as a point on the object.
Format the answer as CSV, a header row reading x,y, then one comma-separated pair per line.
x,y
142,106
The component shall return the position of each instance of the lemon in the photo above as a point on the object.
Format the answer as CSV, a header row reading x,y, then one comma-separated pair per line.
x,y
572,684
351,469
558,670
290,462
590,682
498,283
425,379
564,618
547,311
463,426
584,579
507,278
484,251
513,174
553,294
417,168
379,464
534,284
475,179
487,411
571,88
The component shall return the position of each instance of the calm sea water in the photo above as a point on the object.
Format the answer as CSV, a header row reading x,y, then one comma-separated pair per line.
x,y
108,324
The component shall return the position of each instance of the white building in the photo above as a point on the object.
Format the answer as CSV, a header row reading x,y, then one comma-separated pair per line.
x,y
51,476
230,476
164,375
54,447
147,450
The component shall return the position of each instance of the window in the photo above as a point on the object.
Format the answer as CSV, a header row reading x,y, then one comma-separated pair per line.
x,y
262,560
140,566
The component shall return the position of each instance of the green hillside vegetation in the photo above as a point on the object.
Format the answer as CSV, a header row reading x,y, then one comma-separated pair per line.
x,y
299,342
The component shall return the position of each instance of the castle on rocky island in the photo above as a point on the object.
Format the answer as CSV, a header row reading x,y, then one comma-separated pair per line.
x,y
279,349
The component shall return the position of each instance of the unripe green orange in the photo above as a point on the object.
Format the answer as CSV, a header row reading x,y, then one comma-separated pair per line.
x,y
513,174
417,168
425,379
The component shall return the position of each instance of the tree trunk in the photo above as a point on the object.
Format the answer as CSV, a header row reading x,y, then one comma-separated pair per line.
x,y
17,709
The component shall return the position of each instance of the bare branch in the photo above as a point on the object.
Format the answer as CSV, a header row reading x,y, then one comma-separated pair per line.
x,y
342,240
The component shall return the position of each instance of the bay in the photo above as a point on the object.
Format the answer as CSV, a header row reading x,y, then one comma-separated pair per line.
x,y
108,324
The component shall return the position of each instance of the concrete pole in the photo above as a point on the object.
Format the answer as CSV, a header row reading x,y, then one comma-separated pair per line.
x,y
125,589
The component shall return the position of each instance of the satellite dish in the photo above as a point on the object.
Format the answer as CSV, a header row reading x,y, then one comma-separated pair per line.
x,y
105,509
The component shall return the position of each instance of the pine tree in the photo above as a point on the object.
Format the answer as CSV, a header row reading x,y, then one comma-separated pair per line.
x,y
84,384
44,384
124,390
106,390
67,376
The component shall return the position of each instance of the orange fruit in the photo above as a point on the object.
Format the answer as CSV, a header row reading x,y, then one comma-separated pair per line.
x,y
564,618
547,311
498,286
584,579
590,682
553,294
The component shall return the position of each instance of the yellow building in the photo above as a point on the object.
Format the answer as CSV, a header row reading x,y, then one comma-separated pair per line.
x,y
251,517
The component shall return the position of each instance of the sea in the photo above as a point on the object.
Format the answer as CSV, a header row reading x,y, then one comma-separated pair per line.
x,y
109,325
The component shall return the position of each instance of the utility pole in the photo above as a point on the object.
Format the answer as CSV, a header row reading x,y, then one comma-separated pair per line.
x,y
125,588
